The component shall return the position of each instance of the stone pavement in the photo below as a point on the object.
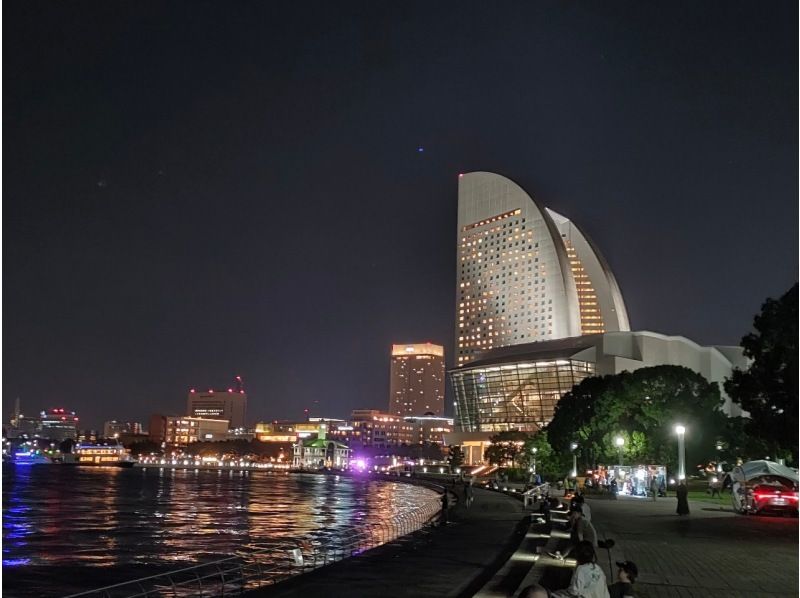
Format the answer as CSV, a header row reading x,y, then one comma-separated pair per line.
x,y
454,561
711,552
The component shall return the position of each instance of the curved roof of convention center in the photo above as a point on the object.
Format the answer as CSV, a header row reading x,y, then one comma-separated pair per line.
x,y
565,348
560,348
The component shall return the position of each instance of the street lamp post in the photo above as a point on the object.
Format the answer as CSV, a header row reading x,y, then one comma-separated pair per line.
x,y
574,446
533,450
619,441
680,430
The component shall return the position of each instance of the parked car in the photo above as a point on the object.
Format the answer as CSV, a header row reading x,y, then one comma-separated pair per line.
x,y
761,487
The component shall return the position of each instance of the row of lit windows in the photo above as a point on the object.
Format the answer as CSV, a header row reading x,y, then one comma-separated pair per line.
x,y
493,219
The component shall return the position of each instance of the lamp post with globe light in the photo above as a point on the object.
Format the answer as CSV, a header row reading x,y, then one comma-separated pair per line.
x,y
680,430
533,452
620,442
574,447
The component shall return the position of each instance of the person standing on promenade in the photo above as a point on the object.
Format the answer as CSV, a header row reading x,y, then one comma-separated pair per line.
x,y
445,506
468,494
579,500
683,499
654,488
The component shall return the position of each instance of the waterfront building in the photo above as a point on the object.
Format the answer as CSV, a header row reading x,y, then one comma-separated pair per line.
x,y
430,428
157,428
517,388
24,427
58,424
181,431
114,428
372,428
88,436
416,383
272,432
525,273
319,452
229,404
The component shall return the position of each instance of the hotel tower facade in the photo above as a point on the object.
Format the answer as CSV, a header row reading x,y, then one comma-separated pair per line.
x,y
525,273
537,311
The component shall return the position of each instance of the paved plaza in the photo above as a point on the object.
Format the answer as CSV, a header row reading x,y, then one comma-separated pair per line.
x,y
711,552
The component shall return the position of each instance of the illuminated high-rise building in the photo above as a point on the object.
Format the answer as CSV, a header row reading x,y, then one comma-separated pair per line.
x,y
525,273
416,385
230,404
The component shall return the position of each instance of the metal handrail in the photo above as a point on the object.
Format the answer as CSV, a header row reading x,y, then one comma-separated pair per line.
x,y
235,575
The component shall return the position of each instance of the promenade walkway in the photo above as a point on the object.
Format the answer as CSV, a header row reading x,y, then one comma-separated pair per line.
x,y
712,552
452,561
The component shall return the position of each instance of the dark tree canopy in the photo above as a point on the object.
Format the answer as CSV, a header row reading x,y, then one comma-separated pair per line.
x,y
642,407
506,447
768,388
456,458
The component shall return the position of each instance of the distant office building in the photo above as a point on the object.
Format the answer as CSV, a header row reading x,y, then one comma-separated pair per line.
x,y
525,273
230,404
58,424
181,431
114,428
416,384
430,428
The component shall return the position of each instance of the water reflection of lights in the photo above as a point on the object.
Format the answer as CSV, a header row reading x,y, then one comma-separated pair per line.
x,y
116,517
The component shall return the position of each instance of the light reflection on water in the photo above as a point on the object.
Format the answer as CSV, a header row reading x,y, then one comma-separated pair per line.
x,y
66,529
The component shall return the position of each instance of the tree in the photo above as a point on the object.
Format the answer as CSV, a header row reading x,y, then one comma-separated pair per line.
x,y
549,464
506,447
145,447
767,389
456,458
641,406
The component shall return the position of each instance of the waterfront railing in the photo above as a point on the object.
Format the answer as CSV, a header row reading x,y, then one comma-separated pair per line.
x,y
259,567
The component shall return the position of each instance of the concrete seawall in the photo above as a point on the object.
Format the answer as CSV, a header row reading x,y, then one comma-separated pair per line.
x,y
454,560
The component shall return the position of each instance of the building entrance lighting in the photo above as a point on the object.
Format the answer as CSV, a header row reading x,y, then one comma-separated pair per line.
x,y
574,446
680,430
620,442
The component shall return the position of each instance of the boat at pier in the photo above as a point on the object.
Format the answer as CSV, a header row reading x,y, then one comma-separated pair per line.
x,y
109,456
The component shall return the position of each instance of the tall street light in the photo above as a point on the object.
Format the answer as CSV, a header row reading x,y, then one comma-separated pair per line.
x,y
574,446
680,430
619,441
533,451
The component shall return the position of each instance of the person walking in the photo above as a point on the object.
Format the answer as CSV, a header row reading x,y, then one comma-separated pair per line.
x,y
468,494
683,499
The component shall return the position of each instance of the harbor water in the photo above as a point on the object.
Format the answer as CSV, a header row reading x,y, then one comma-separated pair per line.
x,y
69,529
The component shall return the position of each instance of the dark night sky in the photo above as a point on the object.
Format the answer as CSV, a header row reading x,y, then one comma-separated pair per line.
x,y
199,190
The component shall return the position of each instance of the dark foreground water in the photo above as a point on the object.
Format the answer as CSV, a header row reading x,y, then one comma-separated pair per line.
x,y
68,529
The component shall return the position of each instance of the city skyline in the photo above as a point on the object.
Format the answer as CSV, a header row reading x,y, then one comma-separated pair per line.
x,y
178,210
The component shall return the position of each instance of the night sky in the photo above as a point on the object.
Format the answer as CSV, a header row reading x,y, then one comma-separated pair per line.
x,y
198,190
